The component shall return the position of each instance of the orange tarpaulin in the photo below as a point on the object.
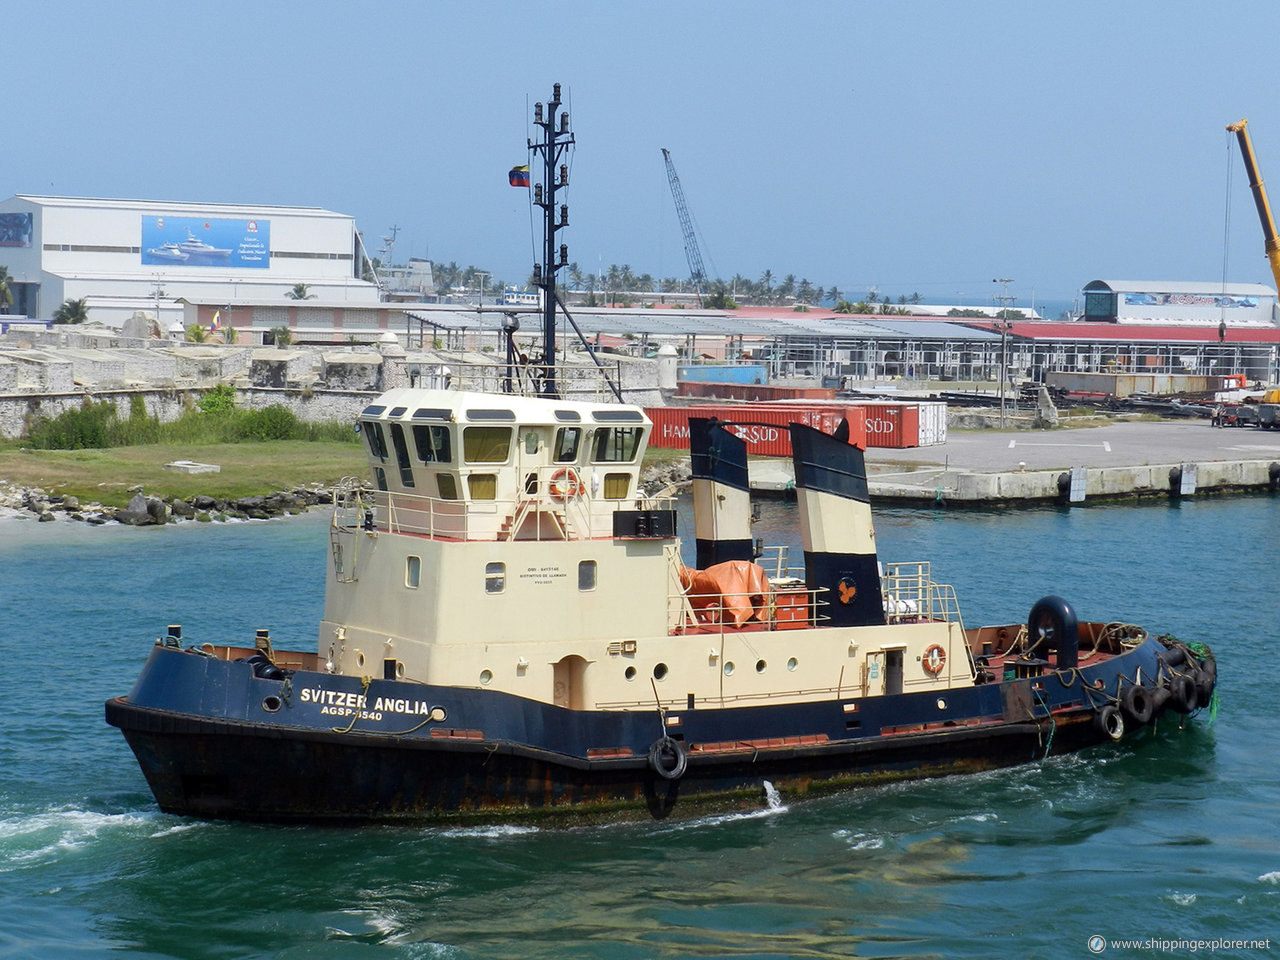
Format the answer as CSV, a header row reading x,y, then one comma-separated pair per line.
x,y
735,591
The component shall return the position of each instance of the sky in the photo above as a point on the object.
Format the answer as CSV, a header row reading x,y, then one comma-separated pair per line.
x,y
907,147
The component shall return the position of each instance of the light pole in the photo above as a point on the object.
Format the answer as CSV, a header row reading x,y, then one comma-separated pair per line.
x,y
1004,342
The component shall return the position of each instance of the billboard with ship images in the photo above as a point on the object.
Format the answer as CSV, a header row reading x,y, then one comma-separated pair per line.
x,y
205,242
15,229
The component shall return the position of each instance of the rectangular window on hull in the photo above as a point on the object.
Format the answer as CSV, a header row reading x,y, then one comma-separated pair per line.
x,y
495,577
412,572
587,575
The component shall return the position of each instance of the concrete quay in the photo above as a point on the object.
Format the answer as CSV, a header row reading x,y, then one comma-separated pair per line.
x,y
1119,461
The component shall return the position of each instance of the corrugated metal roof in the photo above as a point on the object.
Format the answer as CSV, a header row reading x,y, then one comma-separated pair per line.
x,y
1139,332
681,323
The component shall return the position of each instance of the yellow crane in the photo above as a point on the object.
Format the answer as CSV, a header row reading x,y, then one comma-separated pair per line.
x,y
1241,130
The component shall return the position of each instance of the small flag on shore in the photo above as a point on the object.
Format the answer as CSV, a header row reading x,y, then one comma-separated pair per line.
x,y
217,322
519,176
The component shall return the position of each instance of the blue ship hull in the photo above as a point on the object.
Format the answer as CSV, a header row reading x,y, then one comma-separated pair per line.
x,y
239,739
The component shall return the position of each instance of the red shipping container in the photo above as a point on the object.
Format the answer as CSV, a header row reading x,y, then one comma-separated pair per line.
x,y
765,430
895,425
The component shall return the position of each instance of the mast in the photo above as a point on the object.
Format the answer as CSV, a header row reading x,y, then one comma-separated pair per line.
x,y
556,139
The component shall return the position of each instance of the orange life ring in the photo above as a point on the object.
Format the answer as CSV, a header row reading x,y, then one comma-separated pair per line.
x,y
565,483
934,659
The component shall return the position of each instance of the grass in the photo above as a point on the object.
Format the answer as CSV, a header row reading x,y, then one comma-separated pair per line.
x,y
248,468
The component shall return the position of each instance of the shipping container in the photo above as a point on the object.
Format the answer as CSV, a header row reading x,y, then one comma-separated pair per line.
x,y
920,423
752,392
894,425
765,430
723,373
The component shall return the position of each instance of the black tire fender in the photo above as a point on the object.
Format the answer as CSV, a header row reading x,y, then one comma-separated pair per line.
x,y
1182,693
1138,704
667,758
1052,621
1110,722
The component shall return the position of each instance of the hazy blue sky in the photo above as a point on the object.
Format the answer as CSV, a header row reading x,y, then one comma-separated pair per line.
x,y
913,146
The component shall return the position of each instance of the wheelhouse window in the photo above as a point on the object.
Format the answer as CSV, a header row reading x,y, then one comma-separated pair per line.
x,y
402,454
486,444
616,444
483,486
376,439
433,443
447,485
617,486
568,440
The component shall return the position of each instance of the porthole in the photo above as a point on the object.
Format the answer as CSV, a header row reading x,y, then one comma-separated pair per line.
x,y
399,669
659,671
271,704
792,663
486,676
760,666
359,659
630,673
942,704
728,668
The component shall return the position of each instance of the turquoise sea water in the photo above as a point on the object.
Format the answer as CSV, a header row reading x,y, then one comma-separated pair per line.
x,y
1174,836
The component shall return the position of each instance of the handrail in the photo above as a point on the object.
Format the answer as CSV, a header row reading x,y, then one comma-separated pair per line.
x,y
705,613
579,517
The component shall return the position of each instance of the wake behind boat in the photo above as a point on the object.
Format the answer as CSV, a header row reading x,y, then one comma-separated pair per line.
x,y
510,632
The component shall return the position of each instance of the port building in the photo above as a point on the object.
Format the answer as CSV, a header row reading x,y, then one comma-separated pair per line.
x,y
1164,302
128,256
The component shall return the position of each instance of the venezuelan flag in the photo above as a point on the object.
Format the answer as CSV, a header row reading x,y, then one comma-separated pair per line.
x,y
519,176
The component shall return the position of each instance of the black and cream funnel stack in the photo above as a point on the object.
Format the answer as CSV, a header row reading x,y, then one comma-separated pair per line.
x,y
838,536
721,494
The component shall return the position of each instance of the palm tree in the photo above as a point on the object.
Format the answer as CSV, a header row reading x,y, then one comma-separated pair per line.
x,y
72,311
6,295
766,285
197,334
299,292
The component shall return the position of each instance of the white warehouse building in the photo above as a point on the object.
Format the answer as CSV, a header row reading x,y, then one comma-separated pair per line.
x,y
129,256
1207,303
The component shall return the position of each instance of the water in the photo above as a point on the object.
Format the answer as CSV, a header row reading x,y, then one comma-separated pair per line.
x,y
1173,836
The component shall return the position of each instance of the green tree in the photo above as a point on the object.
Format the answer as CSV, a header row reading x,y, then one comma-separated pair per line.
x,y
72,311
282,336
300,292
6,295
197,334
844,306
719,299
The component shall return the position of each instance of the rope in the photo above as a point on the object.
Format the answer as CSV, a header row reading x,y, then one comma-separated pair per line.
x,y
1053,723
364,690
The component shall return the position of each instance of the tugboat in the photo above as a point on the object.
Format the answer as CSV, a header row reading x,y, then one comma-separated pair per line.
x,y
510,633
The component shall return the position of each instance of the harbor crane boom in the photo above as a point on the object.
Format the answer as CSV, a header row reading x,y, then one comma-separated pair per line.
x,y
697,272
1241,130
